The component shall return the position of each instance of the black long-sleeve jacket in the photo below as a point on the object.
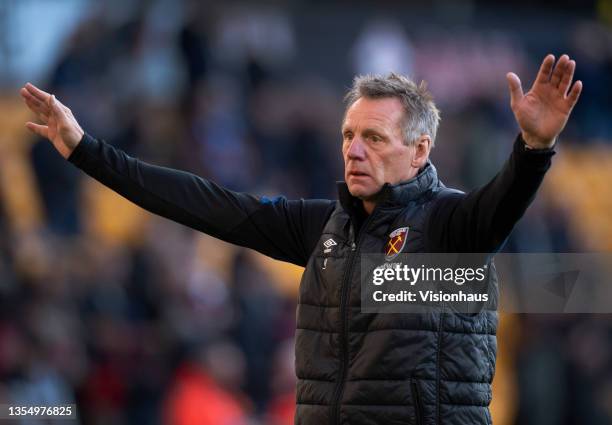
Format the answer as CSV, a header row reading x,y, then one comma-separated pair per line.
x,y
289,229
352,367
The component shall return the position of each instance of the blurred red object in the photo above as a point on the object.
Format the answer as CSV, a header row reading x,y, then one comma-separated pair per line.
x,y
196,399
282,410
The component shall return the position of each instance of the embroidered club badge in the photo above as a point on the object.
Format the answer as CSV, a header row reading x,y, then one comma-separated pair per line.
x,y
397,240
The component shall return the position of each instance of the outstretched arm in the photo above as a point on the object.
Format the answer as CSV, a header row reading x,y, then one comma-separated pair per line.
x,y
280,228
481,220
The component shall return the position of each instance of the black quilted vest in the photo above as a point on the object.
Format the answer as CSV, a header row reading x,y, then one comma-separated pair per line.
x,y
365,369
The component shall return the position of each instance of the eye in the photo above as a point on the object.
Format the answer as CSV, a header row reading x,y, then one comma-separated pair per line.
x,y
375,138
347,136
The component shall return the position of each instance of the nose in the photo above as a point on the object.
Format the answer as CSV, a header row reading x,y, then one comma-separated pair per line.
x,y
356,149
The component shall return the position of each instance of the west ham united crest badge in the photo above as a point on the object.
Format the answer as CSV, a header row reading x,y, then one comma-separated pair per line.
x,y
397,240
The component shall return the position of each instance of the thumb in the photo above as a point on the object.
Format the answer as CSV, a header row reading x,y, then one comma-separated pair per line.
x,y
41,130
516,91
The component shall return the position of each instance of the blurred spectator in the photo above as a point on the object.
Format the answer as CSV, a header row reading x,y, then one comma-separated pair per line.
x,y
206,391
383,47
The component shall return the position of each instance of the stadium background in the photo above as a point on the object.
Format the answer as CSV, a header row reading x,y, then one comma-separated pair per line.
x,y
140,320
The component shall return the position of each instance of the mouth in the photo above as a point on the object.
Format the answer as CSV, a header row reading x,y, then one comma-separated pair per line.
x,y
357,174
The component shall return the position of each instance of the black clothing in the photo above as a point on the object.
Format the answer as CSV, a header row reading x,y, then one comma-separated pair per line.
x,y
355,368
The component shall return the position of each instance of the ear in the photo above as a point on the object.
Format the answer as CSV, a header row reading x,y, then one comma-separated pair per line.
x,y
422,147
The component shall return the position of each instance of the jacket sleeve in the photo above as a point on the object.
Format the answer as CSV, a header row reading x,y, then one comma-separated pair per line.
x,y
283,229
481,221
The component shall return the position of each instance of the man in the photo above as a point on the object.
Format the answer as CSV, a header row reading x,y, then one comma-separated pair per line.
x,y
355,368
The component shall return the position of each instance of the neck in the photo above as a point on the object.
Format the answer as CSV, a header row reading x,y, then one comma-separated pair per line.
x,y
369,206
370,202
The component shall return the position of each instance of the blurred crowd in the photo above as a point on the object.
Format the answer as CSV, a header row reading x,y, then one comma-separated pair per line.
x,y
139,320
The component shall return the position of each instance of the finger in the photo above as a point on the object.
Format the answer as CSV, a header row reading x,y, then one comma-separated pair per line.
x,y
41,130
568,74
25,93
35,104
559,70
29,97
41,115
516,91
574,94
56,108
545,69
38,93
32,102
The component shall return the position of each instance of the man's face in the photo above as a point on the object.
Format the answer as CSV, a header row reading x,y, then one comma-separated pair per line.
x,y
373,146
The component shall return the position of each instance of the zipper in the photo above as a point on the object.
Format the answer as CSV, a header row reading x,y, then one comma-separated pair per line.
x,y
348,274
416,399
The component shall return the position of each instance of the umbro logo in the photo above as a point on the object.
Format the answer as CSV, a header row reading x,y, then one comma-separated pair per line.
x,y
328,245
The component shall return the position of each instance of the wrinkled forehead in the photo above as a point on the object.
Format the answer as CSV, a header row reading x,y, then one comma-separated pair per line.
x,y
387,111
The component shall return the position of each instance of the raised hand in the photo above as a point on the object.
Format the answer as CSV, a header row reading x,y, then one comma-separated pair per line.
x,y
58,123
543,111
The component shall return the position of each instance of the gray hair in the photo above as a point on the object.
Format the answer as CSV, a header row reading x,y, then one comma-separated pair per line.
x,y
421,115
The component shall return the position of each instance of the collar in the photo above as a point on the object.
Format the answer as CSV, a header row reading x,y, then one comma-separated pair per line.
x,y
394,195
